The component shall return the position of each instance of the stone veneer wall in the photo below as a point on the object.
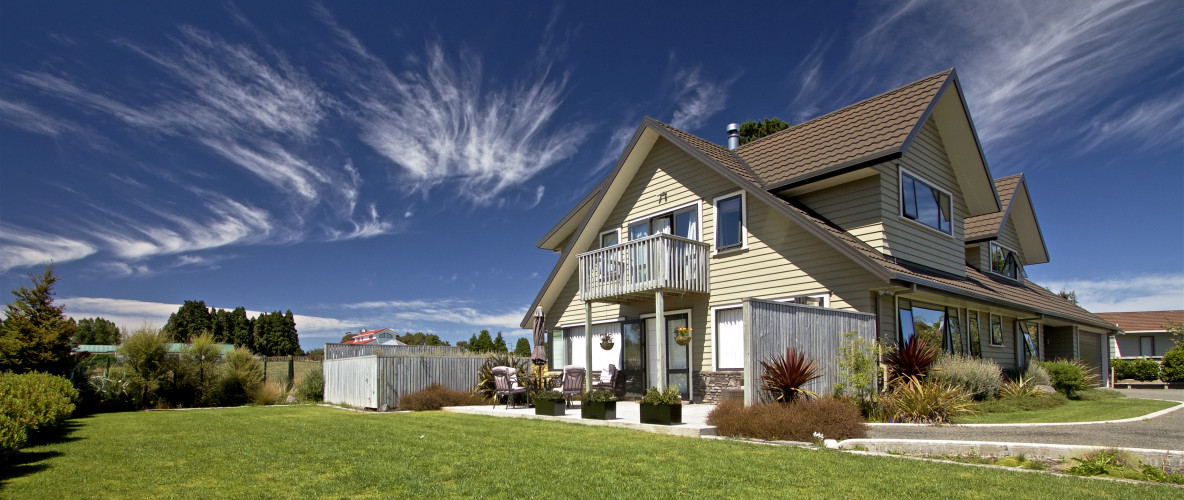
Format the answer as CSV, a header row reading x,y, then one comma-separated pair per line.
x,y
710,386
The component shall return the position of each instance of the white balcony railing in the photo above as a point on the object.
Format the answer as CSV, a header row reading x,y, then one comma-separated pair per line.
x,y
661,262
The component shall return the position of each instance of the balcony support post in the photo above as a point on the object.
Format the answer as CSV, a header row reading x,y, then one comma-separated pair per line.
x,y
660,327
587,346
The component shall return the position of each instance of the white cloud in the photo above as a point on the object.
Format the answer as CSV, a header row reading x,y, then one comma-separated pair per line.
x,y
21,246
442,311
440,122
1153,123
1145,292
231,223
696,98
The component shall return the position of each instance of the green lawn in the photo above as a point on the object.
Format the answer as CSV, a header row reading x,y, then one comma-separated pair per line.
x,y
307,451
1074,411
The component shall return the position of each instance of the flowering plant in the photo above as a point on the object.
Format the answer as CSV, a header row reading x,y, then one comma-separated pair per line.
x,y
682,331
606,337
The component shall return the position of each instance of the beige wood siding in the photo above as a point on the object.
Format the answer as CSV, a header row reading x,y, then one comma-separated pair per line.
x,y
854,206
911,241
974,256
1009,238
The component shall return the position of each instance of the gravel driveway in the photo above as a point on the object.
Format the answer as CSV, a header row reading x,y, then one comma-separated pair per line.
x,y
1164,432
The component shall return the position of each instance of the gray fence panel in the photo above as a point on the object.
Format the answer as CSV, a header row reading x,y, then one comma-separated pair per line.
x,y
772,327
352,381
380,380
339,351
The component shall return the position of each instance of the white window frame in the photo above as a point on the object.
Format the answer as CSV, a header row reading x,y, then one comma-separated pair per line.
x,y
901,171
698,204
715,250
715,336
600,238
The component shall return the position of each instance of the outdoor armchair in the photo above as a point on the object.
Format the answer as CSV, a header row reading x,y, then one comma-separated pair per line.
x,y
573,382
608,378
505,381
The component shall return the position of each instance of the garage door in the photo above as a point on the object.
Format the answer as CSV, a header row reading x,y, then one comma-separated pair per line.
x,y
1091,351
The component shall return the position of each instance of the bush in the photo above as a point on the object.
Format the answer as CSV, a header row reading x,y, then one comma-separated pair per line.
x,y
598,396
1017,389
115,391
486,388
797,421
1068,377
1173,364
32,405
857,368
911,360
147,354
311,386
655,396
239,377
785,375
982,378
1144,370
1037,374
928,402
267,393
436,396
1123,369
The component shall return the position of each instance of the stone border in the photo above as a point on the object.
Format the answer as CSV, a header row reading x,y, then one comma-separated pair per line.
x,y
1159,413
1160,458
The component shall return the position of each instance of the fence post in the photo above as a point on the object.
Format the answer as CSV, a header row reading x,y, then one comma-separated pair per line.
x,y
264,369
291,371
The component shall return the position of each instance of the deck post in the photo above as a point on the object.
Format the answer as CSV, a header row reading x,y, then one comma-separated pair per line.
x,y
660,332
587,346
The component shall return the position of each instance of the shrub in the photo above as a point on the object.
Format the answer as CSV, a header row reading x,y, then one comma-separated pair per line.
x,y
655,396
485,385
238,378
911,360
856,367
1068,377
1173,364
1144,370
115,391
436,396
796,421
1123,369
267,393
147,354
785,375
311,386
32,405
1037,374
925,402
545,395
1020,388
597,396
981,378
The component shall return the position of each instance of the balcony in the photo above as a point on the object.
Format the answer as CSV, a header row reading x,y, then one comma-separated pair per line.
x,y
636,269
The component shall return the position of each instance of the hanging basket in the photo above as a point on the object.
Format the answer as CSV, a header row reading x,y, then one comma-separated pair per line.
x,y
608,346
683,340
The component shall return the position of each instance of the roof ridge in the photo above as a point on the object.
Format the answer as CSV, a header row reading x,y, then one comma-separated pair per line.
x,y
886,93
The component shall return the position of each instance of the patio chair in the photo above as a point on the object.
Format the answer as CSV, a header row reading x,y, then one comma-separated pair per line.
x,y
505,381
573,382
608,378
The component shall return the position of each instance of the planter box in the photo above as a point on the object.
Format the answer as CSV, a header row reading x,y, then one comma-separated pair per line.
x,y
661,414
599,411
551,408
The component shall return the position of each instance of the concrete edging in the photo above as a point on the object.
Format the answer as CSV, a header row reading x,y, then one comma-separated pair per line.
x,y
1160,458
1162,412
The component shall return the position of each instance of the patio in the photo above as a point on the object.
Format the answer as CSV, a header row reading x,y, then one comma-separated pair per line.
x,y
694,418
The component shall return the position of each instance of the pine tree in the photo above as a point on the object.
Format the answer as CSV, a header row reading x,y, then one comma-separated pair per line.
x,y
36,335
522,350
190,320
240,329
499,344
472,344
96,331
751,131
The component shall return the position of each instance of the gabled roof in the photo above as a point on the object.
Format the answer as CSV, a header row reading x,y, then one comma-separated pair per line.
x,y
1017,206
1144,321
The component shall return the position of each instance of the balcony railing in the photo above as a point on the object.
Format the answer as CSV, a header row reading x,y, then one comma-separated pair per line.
x,y
661,262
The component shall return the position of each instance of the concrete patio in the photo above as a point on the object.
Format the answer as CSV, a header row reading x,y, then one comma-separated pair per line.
x,y
694,417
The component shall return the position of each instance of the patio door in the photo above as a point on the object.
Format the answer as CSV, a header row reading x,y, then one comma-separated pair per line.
x,y
676,355
633,358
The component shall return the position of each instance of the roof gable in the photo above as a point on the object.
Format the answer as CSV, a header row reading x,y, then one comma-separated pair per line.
x,y
1017,207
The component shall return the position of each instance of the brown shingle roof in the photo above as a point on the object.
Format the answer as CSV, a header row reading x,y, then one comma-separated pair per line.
x,y
862,131
1143,321
987,225
718,153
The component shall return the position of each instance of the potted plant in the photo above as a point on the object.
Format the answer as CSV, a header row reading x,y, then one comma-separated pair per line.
x,y
598,404
682,335
606,341
661,406
549,403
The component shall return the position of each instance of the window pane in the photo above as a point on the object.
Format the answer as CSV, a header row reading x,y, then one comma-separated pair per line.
x,y
953,333
558,350
927,212
676,354
729,223
639,230
1146,346
996,330
998,259
906,321
972,324
661,224
908,197
608,239
686,224
943,204
729,335
929,323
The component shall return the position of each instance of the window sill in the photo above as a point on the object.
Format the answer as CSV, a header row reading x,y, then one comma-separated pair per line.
x,y
729,250
927,226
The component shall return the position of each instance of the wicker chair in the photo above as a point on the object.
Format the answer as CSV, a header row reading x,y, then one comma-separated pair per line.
x,y
573,382
505,381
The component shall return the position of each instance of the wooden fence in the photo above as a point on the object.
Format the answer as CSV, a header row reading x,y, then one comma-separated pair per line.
x,y
771,327
340,351
378,378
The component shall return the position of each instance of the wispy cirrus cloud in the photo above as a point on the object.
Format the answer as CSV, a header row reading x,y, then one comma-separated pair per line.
x,y
696,97
22,246
230,222
440,311
1143,292
439,121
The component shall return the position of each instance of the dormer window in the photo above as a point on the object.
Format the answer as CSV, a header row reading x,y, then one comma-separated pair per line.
x,y
920,201
1004,261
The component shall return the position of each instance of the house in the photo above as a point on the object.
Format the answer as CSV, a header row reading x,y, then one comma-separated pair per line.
x,y
1142,334
885,207
384,336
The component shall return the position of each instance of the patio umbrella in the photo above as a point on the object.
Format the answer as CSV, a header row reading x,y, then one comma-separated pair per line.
x,y
539,355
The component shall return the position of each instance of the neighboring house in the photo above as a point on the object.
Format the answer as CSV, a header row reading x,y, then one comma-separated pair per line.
x,y
885,207
1142,334
384,336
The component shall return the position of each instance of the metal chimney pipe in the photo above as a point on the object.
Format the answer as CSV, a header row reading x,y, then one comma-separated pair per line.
x,y
733,136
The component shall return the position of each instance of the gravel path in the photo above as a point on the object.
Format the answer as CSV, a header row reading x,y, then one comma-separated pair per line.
x,y
1164,432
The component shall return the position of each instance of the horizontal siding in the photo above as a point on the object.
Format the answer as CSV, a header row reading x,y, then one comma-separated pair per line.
x,y
1010,238
853,206
911,241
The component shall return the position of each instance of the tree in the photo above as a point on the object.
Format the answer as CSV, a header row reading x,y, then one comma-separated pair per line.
x,y
35,336
96,331
751,131
147,355
348,337
190,320
420,338
1069,295
240,332
483,343
522,350
275,334
499,344
463,344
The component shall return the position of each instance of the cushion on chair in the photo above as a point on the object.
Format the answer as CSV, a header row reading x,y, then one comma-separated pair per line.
x,y
606,376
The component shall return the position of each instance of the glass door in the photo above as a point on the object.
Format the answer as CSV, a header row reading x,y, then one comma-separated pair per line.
x,y
633,358
676,355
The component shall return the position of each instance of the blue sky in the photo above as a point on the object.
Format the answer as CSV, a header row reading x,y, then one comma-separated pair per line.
x,y
379,165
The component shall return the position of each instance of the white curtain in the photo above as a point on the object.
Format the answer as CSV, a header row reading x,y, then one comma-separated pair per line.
x,y
729,334
600,357
575,339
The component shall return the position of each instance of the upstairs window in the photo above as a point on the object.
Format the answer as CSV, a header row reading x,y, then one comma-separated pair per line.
x,y
729,222
682,222
1004,261
924,203
609,238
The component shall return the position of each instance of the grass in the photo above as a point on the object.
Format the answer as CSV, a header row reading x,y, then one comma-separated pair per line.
x,y
1071,411
308,451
